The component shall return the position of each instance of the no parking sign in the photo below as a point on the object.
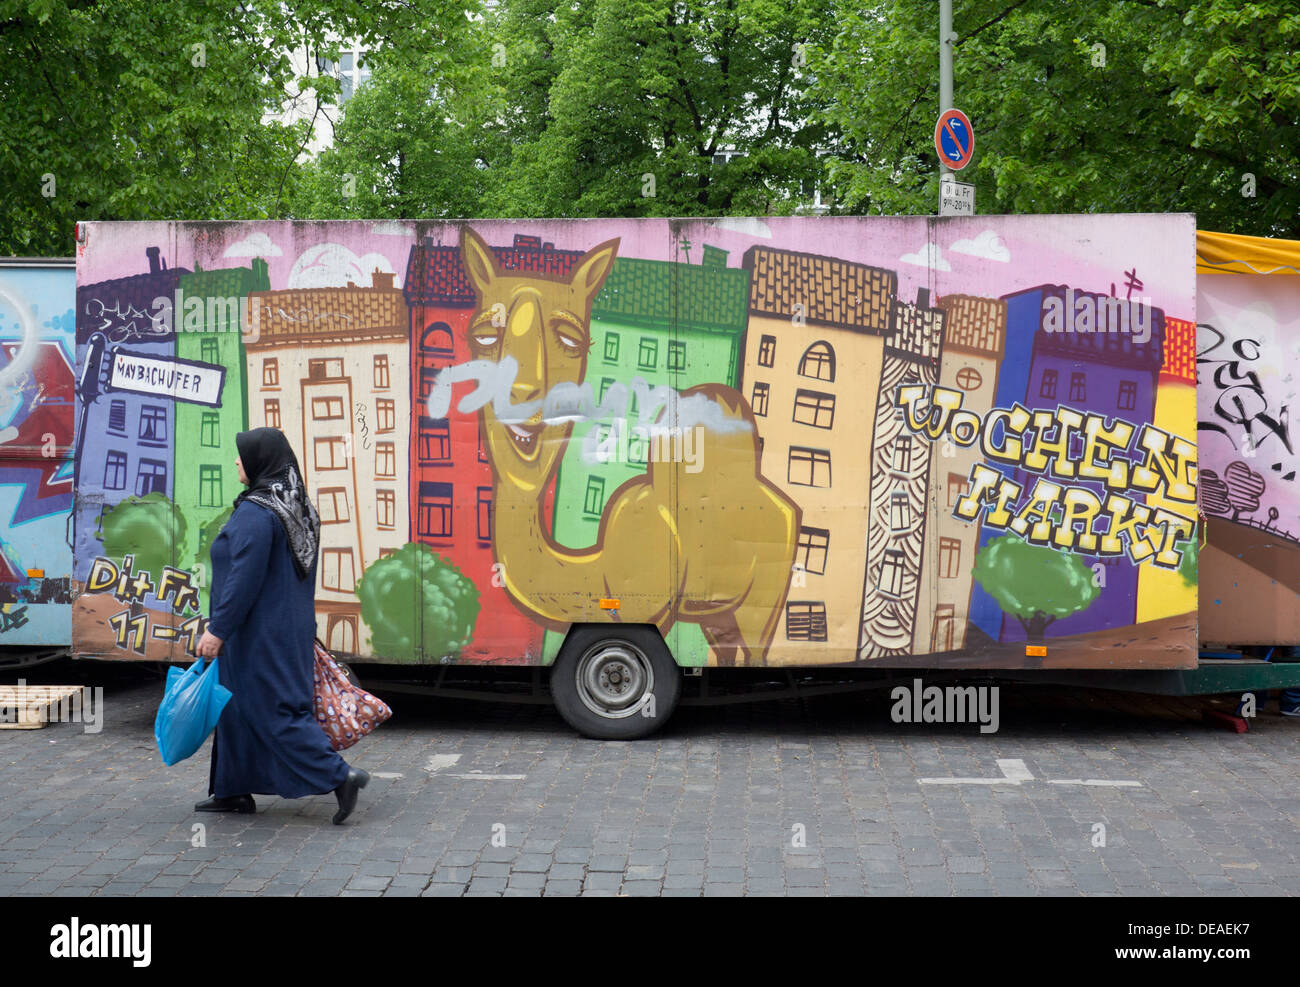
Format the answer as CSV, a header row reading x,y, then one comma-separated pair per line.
x,y
954,139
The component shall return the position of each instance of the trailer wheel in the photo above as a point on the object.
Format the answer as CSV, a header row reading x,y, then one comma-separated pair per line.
x,y
615,682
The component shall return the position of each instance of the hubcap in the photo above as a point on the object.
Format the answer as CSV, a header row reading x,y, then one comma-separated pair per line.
x,y
613,678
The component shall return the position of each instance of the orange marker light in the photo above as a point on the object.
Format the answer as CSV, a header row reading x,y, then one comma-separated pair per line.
x,y
1036,650
609,604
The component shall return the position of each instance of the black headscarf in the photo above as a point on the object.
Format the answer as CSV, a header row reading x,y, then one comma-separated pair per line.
x,y
275,482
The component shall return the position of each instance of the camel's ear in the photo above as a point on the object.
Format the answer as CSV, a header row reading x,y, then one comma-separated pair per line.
x,y
478,260
594,267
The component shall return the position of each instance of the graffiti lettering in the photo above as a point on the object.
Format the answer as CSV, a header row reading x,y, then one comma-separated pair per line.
x,y
176,584
361,424
569,402
1241,400
10,619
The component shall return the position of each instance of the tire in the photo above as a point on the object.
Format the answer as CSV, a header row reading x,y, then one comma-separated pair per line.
x,y
615,682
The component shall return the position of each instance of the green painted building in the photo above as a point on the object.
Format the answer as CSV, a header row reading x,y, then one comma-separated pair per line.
x,y
210,321
663,323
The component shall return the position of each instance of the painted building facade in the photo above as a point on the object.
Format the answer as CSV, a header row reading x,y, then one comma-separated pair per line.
x,y
814,354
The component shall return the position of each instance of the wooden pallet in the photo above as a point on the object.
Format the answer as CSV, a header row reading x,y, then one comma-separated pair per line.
x,y
31,703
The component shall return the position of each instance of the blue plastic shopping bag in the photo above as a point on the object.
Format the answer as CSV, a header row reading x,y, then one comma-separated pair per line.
x,y
191,705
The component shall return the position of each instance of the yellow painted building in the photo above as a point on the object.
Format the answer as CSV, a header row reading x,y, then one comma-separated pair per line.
x,y
813,354
330,368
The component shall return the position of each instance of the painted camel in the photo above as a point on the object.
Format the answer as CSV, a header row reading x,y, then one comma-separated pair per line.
x,y
714,547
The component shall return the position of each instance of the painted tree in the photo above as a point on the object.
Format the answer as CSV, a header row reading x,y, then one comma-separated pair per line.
x,y
1244,488
202,564
1035,584
417,604
150,528
1214,493
1191,551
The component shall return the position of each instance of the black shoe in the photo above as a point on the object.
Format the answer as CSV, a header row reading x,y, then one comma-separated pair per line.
x,y
233,803
347,793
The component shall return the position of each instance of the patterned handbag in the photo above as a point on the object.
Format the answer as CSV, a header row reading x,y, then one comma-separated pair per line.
x,y
344,711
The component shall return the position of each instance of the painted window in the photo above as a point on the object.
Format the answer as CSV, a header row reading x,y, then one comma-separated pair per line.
x,y
117,417
759,400
115,470
385,414
151,477
331,453
611,347
900,511
325,369
209,351
385,459
949,558
427,377
210,429
272,410
805,621
676,355
484,513
814,408
901,461
968,378
210,486
648,353
767,351
437,340
271,373
153,424
605,384
595,499
434,510
809,467
338,571
1048,387
891,573
1078,388
381,372
957,487
385,509
332,505
434,440
326,409
818,362
813,546
1128,392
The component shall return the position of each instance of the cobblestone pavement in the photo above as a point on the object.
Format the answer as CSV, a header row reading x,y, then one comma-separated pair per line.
x,y
780,798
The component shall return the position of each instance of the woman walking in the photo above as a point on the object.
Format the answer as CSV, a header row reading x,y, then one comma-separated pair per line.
x,y
263,622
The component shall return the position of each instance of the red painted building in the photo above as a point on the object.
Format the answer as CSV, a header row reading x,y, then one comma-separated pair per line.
x,y
451,481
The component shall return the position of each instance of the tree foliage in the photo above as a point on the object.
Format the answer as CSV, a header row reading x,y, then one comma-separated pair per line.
x,y
151,528
1090,106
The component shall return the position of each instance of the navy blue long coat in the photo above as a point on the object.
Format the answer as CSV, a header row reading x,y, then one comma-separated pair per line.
x,y
267,740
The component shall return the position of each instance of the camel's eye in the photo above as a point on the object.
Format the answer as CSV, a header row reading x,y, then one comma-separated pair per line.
x,y
486,340
571,342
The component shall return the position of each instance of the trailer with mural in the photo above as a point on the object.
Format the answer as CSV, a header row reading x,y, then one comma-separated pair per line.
x,y
622,448
36,442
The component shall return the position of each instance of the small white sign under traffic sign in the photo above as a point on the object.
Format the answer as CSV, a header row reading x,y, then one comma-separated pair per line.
x,y
956,199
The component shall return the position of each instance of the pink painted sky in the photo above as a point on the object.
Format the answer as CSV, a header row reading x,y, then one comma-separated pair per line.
x,y
1088,252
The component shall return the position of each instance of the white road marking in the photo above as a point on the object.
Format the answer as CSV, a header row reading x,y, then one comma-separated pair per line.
x,y
480,776
386,774
1014,772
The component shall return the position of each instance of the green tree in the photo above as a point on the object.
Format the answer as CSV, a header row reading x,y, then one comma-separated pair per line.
x,y
134,109
1191,552
417,604
151,528
202,564
1033,583
1092,106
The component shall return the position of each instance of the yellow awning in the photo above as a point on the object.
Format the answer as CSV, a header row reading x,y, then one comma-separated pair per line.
x,y
1223,253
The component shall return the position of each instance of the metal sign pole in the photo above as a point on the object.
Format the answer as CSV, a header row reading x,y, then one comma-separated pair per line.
x,y
945,69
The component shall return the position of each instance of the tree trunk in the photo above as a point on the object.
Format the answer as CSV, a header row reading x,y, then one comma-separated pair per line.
x,y
1035,627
